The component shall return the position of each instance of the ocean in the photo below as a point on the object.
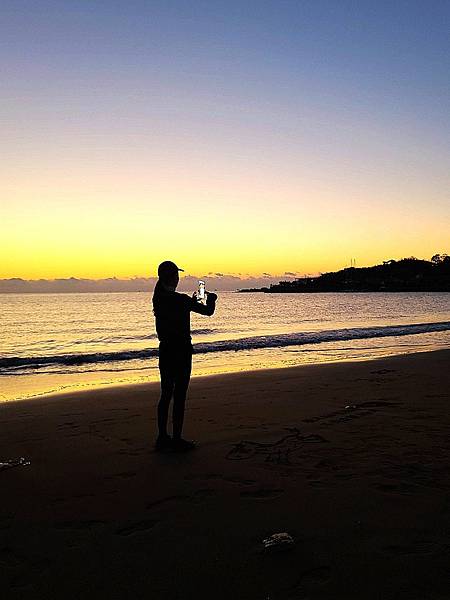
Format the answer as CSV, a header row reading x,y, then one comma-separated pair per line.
x,y
58,342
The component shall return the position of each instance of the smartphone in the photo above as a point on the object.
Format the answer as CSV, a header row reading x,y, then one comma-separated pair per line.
x,y
201,294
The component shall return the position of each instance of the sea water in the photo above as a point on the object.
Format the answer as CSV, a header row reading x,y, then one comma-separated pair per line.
x,y
57,342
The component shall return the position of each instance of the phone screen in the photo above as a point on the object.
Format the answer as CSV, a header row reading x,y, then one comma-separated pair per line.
x,y
201,290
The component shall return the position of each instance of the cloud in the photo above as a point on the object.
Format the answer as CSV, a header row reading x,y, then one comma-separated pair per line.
x,y
290,274
216,281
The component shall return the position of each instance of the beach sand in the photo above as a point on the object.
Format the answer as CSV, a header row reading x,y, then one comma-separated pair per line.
x,y
351,459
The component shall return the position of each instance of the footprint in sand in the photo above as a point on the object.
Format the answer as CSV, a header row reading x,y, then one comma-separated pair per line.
x,y
8,558
87,524
163,501
418,547
203,493
125,474
377,404
239,480
212,476
319,483
399,487
137,527
311,579
5,520
352,411
36,567
68,425
263,494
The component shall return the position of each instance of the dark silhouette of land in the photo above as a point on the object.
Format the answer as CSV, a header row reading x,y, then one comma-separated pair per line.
x,y
405,275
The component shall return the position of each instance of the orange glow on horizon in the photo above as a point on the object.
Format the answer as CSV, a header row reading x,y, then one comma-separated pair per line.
x,y
92,219
236,141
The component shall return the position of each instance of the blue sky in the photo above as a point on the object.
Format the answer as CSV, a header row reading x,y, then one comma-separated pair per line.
x,y
341,106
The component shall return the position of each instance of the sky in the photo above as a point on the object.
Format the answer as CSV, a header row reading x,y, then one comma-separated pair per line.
x,y
244,138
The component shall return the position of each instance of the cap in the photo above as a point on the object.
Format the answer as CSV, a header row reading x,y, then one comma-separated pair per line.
x,y
167,269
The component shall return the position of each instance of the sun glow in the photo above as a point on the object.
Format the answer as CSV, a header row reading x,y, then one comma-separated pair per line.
x,y
122,151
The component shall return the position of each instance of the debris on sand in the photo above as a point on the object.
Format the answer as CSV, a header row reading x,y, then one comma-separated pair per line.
x,y
278,542
14,462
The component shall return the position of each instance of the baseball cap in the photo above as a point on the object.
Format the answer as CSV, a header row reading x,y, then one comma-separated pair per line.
x,y
167,269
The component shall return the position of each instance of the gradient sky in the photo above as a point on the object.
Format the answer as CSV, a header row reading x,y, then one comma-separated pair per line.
x,y
239,137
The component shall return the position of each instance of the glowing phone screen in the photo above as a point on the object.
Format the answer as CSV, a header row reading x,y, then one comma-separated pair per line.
x,y
201,290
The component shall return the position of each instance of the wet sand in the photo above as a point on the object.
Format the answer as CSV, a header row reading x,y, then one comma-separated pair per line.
x,y
351,459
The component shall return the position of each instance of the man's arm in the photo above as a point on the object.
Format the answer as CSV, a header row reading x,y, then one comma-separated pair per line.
x,y
205,309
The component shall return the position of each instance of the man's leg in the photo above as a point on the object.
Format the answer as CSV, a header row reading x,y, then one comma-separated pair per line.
x,y
182,379
167,388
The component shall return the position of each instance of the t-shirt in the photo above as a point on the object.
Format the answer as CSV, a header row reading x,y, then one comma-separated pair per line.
x,y
173,315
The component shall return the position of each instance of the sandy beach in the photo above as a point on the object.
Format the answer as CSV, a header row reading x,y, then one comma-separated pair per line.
x,y
351,459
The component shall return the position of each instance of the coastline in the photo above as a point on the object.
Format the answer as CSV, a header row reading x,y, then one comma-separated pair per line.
x,y
246,333
363,489
30,387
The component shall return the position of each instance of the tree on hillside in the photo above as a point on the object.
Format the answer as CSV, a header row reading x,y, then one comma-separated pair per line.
x,y
437,259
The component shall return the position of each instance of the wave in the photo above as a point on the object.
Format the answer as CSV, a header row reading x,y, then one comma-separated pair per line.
x,y
149,336
126,337
9,364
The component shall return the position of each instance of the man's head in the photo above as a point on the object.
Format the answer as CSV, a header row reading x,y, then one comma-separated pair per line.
x,y
168,274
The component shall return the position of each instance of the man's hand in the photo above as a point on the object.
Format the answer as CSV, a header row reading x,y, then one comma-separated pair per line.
x,y
211,296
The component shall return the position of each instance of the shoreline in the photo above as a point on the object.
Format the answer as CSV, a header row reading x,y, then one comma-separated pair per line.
x,y
351,459
76,388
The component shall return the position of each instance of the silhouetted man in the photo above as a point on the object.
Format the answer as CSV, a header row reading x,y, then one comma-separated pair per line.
x,y
172,314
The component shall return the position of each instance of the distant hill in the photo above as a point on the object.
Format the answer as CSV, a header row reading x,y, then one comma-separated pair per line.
x,y
406,275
